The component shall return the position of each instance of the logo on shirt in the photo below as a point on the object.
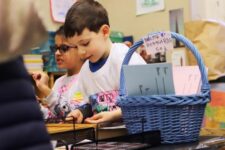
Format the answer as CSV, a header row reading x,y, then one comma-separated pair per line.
x,y
104,101
77,97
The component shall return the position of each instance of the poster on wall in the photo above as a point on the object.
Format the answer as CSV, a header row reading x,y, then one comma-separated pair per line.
x,y
59,9
147,6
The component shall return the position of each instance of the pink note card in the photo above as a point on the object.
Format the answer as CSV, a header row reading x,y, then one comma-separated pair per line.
x,y
187,80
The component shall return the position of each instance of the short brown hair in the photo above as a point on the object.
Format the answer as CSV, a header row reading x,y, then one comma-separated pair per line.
x,y
85,14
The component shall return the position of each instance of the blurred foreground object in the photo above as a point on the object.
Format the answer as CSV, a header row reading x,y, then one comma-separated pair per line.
x,y
209,38
20,28
21,122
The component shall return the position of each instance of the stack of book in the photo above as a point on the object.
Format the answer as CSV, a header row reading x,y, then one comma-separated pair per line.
x,y
33,62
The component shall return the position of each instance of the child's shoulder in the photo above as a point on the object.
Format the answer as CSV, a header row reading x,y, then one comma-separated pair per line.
x,y
119,48
66,78
60,78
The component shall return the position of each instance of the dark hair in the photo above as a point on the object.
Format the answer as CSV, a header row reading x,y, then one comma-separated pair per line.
x,y
85,14
60,31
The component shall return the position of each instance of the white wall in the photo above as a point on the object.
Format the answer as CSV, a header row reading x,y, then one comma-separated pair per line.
x,y
43,7
208,9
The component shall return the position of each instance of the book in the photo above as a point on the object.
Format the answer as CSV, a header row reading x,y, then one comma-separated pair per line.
x,y
33,62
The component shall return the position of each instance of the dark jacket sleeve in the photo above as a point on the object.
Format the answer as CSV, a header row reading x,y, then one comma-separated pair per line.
x,y
21,123
86,110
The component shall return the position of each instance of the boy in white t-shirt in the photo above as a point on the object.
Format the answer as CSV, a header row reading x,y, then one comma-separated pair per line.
x,y
87,28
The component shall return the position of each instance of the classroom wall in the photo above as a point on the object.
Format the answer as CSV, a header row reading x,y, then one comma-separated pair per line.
x,y
43,7
122,15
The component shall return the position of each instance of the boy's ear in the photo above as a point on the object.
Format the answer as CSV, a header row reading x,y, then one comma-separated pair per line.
x,y
105,29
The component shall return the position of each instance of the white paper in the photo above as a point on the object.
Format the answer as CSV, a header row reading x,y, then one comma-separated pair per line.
x,y
187,80
179,57
113,127
158,43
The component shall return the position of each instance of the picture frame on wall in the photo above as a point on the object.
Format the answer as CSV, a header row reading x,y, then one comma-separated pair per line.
x,y
59,9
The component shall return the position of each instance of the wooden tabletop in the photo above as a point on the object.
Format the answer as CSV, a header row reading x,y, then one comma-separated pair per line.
x,y
57,128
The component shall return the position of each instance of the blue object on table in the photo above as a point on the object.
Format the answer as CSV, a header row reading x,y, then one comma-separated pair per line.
x,y
178,117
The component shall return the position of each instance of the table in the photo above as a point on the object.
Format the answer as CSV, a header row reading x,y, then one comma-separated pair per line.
x,y
54,128
186,146
88,131
205,134
65,132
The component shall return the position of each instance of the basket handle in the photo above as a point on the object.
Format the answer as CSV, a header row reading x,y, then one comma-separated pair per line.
x,y
205,84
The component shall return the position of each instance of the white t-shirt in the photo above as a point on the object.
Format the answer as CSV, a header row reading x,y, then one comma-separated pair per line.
x,y
107,78
63,97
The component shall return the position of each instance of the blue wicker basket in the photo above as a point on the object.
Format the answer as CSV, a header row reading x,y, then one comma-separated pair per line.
x,y
178,117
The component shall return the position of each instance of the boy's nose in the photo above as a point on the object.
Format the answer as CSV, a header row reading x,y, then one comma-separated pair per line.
x,y
57,52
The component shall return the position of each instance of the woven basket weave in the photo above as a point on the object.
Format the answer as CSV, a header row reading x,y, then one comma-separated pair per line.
x,y
178,118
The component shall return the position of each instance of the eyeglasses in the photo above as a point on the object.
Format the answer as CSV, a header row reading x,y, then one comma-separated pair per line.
x,y
62,48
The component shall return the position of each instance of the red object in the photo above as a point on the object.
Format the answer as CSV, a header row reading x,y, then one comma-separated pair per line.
x,y
217,98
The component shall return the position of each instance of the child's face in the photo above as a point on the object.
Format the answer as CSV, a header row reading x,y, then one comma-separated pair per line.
x,y
68,59
92,45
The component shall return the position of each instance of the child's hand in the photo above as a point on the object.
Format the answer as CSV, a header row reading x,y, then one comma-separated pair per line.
x,y
41,80
100,117
106,116
76,114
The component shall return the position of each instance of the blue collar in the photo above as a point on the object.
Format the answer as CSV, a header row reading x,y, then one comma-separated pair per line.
x,y
97,65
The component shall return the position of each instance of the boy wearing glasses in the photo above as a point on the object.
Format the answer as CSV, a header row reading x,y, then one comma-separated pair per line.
x,y
87,28
62,97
